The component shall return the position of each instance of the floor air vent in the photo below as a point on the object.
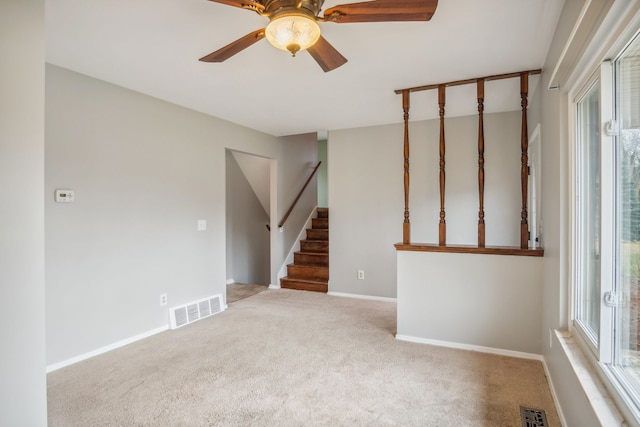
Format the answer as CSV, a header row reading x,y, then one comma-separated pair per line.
x,y
196,310
533,417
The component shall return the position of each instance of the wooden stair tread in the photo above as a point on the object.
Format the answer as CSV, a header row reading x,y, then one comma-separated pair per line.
x,y
325,267
319,246
323,255
311,258
304,284
291,279
310,269
320,223
308,272
317,234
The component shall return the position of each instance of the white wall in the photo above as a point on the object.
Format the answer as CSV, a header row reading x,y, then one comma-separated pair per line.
x,y
22,327
367,202
490,301
144,171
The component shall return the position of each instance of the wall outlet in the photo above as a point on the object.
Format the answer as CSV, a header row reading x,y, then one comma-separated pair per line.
x,y
202,224
360,274
163,300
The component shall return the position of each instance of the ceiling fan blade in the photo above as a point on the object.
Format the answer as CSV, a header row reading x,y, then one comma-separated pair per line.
x,y
231,49
382,11
326,55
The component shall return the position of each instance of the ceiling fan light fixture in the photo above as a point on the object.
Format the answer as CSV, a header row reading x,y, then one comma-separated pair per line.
x,y
292,32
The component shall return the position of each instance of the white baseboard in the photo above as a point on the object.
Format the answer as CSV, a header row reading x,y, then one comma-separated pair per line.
x,y
479,348
358,296
105,349
231,281
563,421
273,286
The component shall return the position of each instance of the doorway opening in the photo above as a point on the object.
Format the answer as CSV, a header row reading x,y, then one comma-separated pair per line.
x,y
248,213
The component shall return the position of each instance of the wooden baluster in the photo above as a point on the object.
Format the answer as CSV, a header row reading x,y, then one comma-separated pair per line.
x,y
442,226
481,230
406,226
524,160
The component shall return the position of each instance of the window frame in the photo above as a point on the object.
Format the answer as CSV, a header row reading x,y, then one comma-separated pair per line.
x,y
601,347
602,356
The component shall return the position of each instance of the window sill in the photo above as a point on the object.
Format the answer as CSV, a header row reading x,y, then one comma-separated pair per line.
x,y
599,397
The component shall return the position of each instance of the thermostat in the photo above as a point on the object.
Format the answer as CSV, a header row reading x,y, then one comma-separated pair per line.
x,y
64,196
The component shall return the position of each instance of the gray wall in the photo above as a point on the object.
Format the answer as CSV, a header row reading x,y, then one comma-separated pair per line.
x,y
144,171
247,234
22,327
367,202
555,214
494,301
298,157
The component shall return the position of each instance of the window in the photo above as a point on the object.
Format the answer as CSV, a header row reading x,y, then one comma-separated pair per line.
x,y
607,220
588,289
627,242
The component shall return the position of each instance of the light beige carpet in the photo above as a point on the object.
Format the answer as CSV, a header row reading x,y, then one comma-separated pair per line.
x,y
238,291
294,358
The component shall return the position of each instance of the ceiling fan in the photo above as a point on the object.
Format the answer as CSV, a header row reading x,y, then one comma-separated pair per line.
x,y
293,24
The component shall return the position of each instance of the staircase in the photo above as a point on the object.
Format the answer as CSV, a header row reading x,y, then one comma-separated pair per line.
x,y
310,268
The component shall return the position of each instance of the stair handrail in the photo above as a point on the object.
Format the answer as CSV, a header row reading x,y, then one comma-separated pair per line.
x,y
293,205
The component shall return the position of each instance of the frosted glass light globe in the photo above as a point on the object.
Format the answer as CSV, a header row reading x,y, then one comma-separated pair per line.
x,y
293,32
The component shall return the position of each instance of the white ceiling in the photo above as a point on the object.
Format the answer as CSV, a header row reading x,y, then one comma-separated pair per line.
x,y
153,46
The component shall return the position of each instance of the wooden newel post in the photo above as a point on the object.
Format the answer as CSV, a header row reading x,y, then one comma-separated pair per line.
x,y
406,226
481,229
442,226
524,160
